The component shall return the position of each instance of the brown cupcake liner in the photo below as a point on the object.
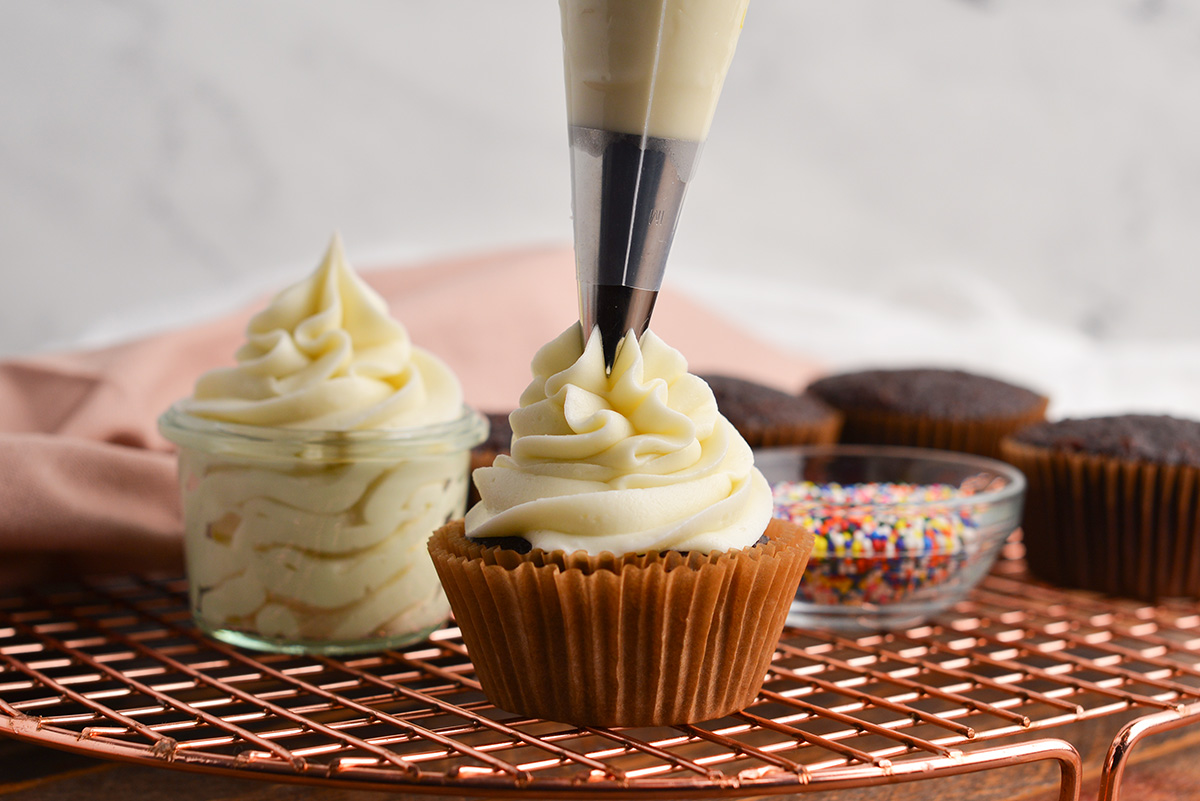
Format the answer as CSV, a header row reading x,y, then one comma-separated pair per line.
x,y
1112,525
818,432
981,437
633,640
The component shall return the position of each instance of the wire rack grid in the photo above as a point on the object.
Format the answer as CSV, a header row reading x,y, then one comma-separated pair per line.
x,y
114,668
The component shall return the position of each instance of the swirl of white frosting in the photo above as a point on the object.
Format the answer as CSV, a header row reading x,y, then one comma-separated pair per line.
x,y
631,461
321,545
318,552
325,354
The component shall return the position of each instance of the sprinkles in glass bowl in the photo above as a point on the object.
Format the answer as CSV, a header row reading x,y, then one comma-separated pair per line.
x,y
901,533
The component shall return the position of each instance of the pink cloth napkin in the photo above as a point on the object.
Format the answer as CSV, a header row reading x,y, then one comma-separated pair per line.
x,y
88,485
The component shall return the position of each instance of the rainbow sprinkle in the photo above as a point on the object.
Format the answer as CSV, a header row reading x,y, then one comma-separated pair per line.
x,y
876,543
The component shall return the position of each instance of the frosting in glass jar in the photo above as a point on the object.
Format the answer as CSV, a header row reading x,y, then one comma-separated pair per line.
x,y
326,354
314,470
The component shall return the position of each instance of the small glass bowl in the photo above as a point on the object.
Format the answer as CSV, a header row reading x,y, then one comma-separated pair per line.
x,y
303,541
892,557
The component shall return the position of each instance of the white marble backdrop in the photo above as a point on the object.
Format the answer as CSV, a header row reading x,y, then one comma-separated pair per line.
x,y
1011,186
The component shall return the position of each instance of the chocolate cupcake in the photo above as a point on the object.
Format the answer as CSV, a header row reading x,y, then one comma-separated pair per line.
x,y
768,417
930,408
651,639
614,572
1113,503
499,440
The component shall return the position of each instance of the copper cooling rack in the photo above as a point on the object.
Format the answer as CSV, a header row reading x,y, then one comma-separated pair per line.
x,y
114,669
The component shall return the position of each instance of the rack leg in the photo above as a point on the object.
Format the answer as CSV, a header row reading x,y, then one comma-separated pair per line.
x,y
958,763
1133,733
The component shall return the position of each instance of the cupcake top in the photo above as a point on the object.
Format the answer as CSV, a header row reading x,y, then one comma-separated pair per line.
x,y
1135,437
926,392
629,461
757,410
325,354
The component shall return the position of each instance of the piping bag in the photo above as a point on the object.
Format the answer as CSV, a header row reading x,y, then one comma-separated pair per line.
x,y
643,78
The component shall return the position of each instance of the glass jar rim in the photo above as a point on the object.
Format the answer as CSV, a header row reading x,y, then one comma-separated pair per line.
x,y
187,430
1011,491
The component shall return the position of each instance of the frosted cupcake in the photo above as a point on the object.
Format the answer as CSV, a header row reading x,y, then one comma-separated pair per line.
x,y
622,567
314,470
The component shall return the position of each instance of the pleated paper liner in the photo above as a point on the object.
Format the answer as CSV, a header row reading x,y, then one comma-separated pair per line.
x,y
1116,526
979,436
634,640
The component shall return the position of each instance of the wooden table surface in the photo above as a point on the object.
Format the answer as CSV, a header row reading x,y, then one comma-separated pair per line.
x,y
30,772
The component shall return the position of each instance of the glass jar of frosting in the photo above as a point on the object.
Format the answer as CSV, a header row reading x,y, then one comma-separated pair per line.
x,y
314,541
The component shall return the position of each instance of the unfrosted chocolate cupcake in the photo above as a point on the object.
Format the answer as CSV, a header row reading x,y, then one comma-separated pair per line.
x,y
768,417
1113,503
930,408
499,440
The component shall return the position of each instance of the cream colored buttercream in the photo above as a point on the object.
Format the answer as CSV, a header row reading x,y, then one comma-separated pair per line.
x,y
322,546
634,460
317,552
653,67
325,354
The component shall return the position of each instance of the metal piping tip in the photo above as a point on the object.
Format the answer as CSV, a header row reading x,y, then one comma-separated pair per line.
x,y
627,191
617,310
